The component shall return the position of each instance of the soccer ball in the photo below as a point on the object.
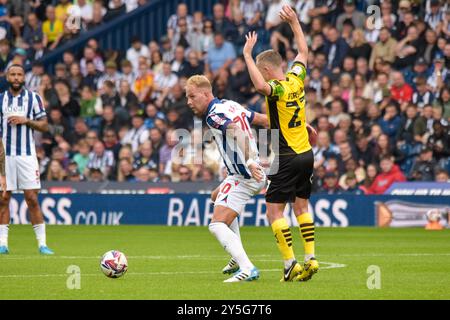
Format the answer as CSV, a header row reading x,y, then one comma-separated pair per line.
x,y
433,215
114,264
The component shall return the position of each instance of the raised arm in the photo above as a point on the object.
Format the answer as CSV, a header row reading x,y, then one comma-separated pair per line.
x,y
257,78
288,15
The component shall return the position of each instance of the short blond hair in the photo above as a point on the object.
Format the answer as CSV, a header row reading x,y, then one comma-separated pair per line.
x,y
199,81
270,58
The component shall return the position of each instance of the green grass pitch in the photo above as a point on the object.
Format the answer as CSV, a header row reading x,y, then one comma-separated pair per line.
x,y
186,263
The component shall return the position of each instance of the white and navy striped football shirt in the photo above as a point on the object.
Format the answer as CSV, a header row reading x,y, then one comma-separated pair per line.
x,y
18,140
220,114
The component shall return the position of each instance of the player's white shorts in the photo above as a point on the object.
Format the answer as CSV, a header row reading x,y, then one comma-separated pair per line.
x,y
235,191
22,173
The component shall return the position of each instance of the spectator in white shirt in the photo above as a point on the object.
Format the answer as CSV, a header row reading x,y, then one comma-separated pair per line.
x,y
137,50
137,134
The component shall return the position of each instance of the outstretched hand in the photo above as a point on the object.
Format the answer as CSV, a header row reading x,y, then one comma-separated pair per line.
x,y
251,39
288,15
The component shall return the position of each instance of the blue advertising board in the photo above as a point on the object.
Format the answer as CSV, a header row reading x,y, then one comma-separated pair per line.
x,y
197,209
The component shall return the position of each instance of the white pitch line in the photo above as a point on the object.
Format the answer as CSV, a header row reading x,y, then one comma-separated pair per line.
x,y
330,265
201,257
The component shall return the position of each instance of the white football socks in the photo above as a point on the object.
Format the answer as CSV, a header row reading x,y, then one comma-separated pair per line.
x,y
4,228
39,230
234,226
231,243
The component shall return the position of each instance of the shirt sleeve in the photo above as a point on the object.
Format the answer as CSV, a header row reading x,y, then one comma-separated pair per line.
x,y
298,70
38,108
250,115
218,121
277,89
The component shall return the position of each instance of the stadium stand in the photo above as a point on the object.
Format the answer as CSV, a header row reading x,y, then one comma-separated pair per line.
x,y
113,86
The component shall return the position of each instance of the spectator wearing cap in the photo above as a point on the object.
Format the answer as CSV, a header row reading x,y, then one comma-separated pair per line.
x,y
95,175
111,74
350,13
420,69
137,50
52,29
331,185
440,76
37,49
422,96
424,167
384,48
389,174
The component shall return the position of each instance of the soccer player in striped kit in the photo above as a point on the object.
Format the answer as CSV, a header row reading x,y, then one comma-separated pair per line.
x,y
21,113
227,121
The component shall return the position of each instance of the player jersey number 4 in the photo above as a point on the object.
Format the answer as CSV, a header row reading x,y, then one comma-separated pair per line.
x,y
286,111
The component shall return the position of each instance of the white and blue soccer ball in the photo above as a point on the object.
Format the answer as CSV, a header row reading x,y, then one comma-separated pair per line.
x,y
114,264
433,215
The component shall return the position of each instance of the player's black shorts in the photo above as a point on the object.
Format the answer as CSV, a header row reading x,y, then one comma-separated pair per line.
x,y
293,179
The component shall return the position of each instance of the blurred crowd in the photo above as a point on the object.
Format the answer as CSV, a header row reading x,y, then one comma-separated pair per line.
x,y
377,90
